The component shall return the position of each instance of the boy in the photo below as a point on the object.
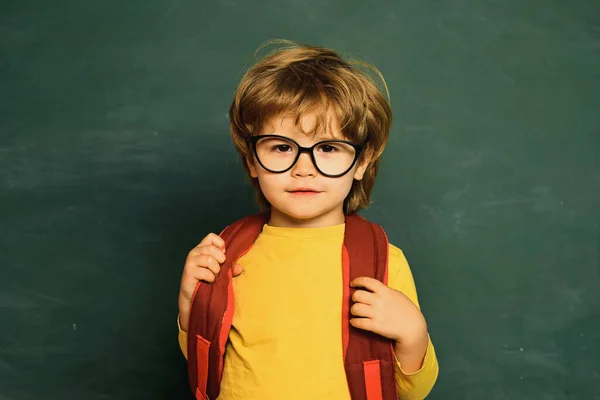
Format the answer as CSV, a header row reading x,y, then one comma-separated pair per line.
x,y
310,128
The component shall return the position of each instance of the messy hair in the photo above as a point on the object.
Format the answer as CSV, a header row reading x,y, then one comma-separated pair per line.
x,y
297,79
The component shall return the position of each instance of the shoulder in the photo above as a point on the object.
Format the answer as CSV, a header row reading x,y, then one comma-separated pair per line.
x,y
399,273
395,253
396,258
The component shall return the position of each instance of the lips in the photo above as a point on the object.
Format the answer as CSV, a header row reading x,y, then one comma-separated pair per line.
x,y
305,191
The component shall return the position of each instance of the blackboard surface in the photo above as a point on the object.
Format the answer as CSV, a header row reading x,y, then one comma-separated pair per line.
x,y
115,161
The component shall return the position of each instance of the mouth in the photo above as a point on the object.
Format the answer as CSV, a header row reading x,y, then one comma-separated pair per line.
x,y
303,192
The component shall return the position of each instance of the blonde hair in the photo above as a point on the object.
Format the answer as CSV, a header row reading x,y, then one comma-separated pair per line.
x,y
298,79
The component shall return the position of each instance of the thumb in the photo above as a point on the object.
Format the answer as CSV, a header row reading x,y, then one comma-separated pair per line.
x,y
237,269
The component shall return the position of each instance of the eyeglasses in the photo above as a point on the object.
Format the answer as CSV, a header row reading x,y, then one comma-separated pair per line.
x,y
278,154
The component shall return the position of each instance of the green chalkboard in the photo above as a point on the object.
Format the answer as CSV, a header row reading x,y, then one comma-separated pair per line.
x,y
115,160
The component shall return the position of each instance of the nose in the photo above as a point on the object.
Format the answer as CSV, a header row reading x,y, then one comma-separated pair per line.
x,y
304,167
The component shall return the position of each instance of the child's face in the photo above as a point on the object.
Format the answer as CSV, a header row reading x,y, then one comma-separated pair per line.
x,y
321,201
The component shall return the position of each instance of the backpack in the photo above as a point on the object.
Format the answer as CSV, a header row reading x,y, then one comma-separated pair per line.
x,y
368,358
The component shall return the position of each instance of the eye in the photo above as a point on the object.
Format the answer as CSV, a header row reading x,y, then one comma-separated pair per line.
x,y
328,148
282,148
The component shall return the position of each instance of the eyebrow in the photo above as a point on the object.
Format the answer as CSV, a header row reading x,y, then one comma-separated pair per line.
x,y
317,138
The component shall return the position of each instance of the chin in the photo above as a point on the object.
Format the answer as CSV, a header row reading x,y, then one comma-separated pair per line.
x,y
302,215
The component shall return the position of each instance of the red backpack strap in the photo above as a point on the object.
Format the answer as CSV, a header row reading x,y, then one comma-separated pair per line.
x,y
368,357
212,311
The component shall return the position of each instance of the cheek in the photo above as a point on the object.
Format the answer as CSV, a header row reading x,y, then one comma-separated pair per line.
x,y
341,186
269,182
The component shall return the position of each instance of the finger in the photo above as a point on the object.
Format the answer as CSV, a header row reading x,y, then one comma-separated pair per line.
x,y
237,269
365,324
370,284
214,240
203,274
210,250
363,296
206,262
361,310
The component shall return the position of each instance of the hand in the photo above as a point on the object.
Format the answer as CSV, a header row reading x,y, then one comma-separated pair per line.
x,y
387,312
203,263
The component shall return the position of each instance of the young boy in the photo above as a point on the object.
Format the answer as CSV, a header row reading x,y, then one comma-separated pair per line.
x,y
311,128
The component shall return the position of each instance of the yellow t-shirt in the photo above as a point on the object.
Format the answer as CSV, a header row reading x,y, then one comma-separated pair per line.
x,y
286,336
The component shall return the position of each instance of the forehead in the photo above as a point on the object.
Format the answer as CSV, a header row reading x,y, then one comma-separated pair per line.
x,y
316,126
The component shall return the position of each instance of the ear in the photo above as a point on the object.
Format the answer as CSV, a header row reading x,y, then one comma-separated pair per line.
x,y
362,167
252,167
